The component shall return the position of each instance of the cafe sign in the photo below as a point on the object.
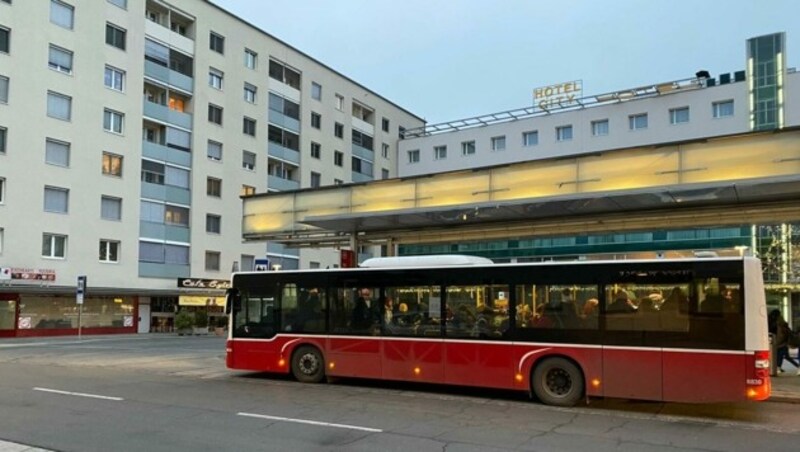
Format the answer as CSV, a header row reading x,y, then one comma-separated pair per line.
x,y
198,283
559,95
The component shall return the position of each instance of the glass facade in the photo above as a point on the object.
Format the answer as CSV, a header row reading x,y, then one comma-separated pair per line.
x,y
765,64
61,312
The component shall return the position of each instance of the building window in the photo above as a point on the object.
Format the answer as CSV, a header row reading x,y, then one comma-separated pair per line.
x,y
530,138
214,187
316,91
361,166
114,78
338,158
3,89
247,263
637,122
283,138
59,106
338,130
5,39
498,143
215,114
113,121
248,161
162,253
564,133
600,128
1,240
56,199
385,124
385,150
62,14
2,190
60,59
212,261
384,173
439,152
413,156
112,164
338,182
316,150
213,224
362,139
56,152
339,102
250,59
722,109
216,43
115,36
214,150
109,251
316,120
3,139
121,3
284,74
215,78
679,115
316,179
468,147
249,126
54,245
250,93
247,190
110,208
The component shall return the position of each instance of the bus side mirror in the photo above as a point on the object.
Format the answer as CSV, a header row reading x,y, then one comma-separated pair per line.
x,y
233,301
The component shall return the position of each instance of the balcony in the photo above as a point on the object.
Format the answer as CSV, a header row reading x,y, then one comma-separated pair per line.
x,y
363,126
358,177
165,114
166,193
169,37
163,153
279,183
280,152
170,271
161,231
168,76
363,153
279,119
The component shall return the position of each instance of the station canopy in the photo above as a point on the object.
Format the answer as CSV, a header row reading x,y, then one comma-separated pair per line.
x,y
738,179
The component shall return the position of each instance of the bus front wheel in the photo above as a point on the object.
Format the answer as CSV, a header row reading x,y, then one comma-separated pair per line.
x,y
557,381
308,365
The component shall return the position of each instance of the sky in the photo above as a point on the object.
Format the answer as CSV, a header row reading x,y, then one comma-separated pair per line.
x,y
451,59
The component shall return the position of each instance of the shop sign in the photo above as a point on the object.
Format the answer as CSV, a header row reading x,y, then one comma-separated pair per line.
x,y
27,274
198,283
127,320
24,323
200,300
559,95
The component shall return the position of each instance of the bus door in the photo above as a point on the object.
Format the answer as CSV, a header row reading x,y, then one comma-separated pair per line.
x,y
411,326
477,352
354,346
632,362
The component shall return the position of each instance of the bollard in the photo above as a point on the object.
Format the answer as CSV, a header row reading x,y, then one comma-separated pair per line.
x,y
773,356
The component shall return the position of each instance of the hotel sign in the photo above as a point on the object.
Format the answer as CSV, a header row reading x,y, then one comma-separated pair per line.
x,y
197,283
559,95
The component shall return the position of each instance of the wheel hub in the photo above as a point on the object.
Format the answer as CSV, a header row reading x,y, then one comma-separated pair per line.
x,y
558,382
309,364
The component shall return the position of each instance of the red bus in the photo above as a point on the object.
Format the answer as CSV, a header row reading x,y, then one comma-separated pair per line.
x,y
690,330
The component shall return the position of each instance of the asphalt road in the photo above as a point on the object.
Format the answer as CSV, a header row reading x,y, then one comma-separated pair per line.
x,y
170,393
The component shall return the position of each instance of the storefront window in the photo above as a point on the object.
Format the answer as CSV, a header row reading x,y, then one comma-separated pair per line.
x,y
43,312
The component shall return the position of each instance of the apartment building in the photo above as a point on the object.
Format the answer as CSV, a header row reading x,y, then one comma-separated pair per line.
x,y
129,129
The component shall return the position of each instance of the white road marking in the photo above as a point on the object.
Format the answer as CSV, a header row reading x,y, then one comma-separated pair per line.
x,y
79,394
305,421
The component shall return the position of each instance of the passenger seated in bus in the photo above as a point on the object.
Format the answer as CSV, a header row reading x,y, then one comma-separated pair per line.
x,y
388,310
647,317
621,304
589,314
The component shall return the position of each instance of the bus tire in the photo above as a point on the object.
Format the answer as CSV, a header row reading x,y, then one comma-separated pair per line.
x,y
308,365
558,381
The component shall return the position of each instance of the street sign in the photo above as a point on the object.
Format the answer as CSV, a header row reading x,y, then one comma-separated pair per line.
x,y
80,289
261,265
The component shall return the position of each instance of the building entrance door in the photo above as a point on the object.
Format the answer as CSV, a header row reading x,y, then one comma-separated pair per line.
x,y
8,316
144,318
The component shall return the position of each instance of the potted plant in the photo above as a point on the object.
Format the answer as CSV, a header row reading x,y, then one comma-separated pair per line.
x,y
222,323
200,323
183,323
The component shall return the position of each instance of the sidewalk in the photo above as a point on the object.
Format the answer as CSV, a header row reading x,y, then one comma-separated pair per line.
x,y
6,446
786,385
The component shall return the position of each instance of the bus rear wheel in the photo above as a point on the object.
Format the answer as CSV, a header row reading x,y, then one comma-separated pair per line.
x,y
308,365
557,381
